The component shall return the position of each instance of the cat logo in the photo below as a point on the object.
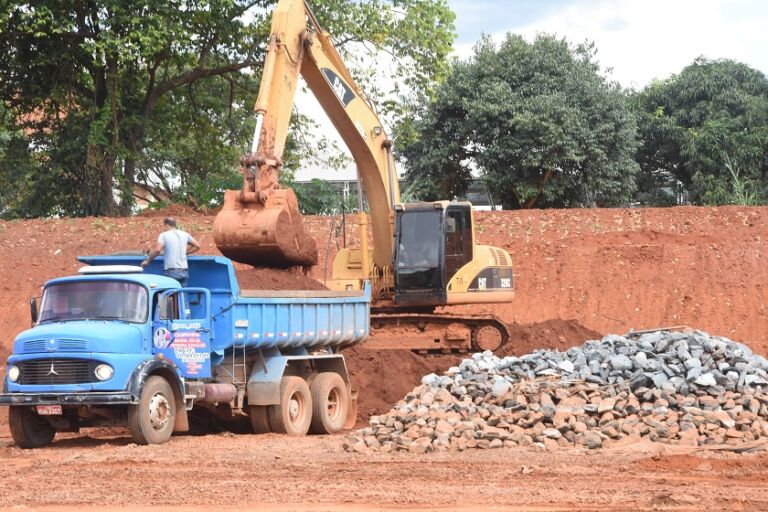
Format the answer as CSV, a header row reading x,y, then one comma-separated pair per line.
x,y
342,91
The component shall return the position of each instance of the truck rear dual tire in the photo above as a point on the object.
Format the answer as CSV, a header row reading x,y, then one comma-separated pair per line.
x,y
320,406
330,403
29,429
151,421
293,415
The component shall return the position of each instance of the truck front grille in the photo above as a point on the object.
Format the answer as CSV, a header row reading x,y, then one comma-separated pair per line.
x,y
57,371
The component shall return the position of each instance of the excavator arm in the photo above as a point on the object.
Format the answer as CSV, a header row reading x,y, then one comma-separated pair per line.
x,y
261,224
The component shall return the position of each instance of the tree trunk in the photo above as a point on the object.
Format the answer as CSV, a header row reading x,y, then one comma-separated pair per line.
x,y
532,201
126,187
99,169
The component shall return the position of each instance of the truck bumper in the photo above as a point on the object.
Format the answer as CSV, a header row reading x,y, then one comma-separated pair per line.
x,y
89,398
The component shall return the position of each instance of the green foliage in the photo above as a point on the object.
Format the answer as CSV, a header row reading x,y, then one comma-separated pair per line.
x,y
319,197
16,168
537,121
114,94
87,79
417,34
735,188
707,127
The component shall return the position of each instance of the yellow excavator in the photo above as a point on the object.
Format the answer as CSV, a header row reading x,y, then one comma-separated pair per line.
x,y
420,256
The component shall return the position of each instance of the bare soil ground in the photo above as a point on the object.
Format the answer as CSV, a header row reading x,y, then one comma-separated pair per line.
x,y
579,274
238,471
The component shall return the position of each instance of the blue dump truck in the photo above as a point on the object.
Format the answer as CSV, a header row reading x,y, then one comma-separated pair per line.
x,y
118,346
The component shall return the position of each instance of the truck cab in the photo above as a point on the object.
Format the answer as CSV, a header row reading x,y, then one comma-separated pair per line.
x,y
95,340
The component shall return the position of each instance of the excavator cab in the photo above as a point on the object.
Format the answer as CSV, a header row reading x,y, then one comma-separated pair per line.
x,y
433,241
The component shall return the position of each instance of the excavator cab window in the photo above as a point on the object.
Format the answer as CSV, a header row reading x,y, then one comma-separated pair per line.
x,y
419,256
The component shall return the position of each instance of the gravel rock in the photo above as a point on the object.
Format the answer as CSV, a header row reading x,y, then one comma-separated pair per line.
x,y
669,387
706,379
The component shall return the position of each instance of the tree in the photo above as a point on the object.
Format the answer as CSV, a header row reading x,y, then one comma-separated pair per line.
x,y
319,197
536,121
706,127
16,167
95,84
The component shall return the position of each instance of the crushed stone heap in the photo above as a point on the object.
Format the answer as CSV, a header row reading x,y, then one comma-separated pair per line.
x,y
671,387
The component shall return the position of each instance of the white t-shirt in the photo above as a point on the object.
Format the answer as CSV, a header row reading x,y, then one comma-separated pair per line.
x,y
174,248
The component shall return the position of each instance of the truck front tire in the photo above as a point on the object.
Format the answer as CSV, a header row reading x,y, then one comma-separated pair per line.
x,y
29,429
293,414
330,403
151,420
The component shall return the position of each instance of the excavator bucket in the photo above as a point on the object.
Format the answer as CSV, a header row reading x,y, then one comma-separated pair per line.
x,y
263,235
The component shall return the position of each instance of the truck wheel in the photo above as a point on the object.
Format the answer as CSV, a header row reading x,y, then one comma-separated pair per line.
x,y
151,420
293,414
29,429
259,419
330,403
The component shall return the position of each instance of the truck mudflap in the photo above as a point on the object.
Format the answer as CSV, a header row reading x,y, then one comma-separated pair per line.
x,y
85,398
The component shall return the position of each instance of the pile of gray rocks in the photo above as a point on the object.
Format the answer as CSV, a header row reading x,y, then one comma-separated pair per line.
x,y
671,387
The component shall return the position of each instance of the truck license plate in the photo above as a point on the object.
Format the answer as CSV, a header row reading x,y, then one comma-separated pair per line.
x,y
48,410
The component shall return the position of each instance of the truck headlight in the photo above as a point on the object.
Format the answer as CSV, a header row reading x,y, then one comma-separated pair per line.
x,y
13,373
104,372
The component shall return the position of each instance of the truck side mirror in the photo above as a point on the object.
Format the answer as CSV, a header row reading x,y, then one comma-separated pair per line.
x,y
33,309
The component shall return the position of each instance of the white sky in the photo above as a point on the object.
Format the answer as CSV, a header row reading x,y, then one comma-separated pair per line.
x,y
638,39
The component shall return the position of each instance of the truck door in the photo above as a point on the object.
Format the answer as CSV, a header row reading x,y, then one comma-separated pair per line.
x,y
181,330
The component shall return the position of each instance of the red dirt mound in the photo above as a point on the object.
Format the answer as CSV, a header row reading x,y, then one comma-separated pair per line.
x,y
613,270
382,377
250,278
172,210
556,334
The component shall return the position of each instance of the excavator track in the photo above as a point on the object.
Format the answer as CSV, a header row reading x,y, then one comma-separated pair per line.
x,y
441,333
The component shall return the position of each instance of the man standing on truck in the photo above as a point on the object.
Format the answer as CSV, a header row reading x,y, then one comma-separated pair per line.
x,y
175,244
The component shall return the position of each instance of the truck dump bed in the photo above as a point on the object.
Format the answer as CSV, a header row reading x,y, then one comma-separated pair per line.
x,y
285,319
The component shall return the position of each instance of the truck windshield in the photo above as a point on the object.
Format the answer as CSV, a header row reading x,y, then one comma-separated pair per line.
x,y
94,300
